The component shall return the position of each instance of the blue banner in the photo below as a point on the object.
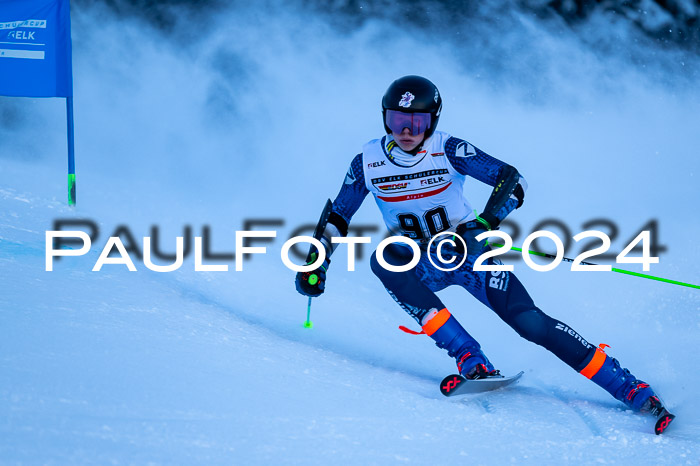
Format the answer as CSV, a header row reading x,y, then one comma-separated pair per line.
x,y
35,48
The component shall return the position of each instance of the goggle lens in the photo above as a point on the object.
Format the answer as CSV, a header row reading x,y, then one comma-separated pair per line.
x,y
417,123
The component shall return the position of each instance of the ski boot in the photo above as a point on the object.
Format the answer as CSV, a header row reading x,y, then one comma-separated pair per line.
x,y
449,335
606,372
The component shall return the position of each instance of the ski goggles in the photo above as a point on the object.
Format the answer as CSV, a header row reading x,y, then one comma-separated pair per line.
x,y
417,123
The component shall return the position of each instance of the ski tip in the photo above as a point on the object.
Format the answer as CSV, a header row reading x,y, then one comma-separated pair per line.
x,y
663,421
450,382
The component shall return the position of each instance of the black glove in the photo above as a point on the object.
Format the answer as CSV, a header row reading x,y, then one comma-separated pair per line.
x,y
313,283
469,231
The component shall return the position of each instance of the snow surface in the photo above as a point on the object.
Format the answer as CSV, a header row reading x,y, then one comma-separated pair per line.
x,y
259,117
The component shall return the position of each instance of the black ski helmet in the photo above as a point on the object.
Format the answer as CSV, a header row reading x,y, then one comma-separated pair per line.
x,y
413,94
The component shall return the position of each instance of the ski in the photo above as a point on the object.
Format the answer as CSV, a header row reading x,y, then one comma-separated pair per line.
x,y
663,421
455,384
656,408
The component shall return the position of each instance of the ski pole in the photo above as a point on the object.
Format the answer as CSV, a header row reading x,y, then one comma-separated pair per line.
x,y
308,323
614,269
318,233
313,279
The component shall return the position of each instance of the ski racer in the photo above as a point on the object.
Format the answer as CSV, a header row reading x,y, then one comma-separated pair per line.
x,y
416,175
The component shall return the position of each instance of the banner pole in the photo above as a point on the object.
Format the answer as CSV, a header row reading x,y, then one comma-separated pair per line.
x,y
71,152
